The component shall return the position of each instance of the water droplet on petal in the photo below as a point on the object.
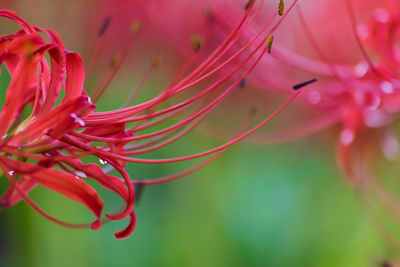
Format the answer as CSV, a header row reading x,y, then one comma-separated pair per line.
x,y
11,172
103,161
108,169
347,136
80,174
77,119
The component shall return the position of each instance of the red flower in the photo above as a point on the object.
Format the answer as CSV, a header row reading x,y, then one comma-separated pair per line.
x,y
46,147
352,47
356,64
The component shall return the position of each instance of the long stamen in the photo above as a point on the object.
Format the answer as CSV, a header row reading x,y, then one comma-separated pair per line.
x,y
118,61
217,52
197,167
215,85
214,103
170,141
100,43
135,92
74,142
204,63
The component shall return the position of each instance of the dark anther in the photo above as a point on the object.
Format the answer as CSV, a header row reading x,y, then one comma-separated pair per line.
x,y
253,111
197,42
281,7
104,26
136,26
302,84
269,43
209,15
248,4
138,192
386,264
243,83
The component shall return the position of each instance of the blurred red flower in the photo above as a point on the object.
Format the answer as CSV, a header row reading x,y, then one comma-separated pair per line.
x,y
353,48
357,68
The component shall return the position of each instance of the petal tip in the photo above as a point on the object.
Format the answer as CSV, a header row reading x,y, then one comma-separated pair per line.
x,y
96,225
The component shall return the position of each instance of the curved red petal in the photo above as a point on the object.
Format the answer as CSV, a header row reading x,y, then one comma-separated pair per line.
x,y
12,197
75,76
63,183
129,229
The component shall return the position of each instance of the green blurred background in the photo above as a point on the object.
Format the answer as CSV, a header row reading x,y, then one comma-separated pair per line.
x,y
252,207
282,205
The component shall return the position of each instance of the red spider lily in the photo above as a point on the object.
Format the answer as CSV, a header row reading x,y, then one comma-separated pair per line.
x,y
353,48
358,88
48,146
